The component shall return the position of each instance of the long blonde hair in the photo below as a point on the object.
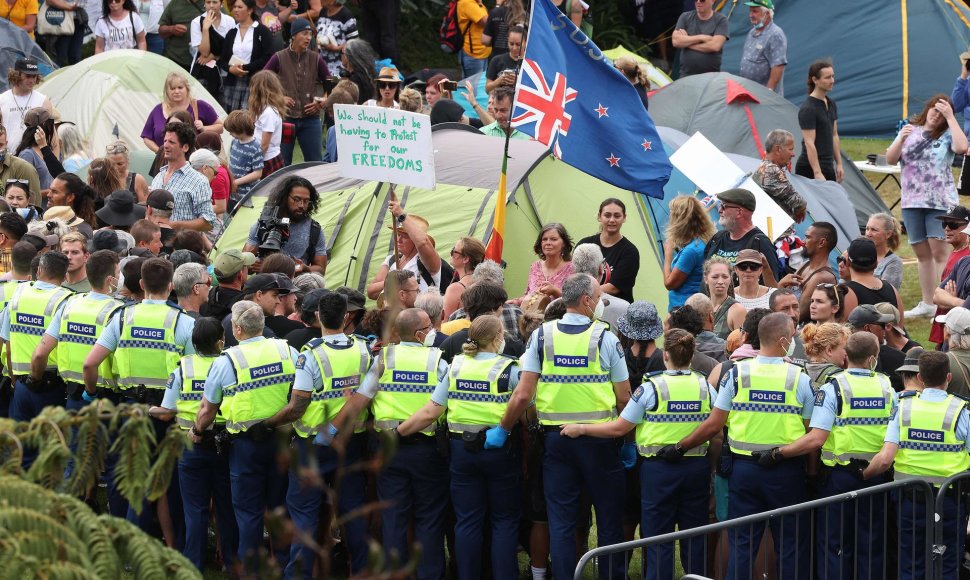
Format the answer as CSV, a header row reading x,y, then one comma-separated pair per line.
x,y
266,90
688,221
176,76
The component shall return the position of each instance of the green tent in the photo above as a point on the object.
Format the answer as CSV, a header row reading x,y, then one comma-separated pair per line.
x,y
658,78
354,213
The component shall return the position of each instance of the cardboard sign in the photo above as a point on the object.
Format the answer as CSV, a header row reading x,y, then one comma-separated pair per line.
x,y
385,145
712,172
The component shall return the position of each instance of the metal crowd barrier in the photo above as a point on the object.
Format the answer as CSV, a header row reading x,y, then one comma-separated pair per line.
x,y
921,498
951,525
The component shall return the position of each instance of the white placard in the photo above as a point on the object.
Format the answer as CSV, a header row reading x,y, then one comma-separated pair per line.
x,y
711,171
385,145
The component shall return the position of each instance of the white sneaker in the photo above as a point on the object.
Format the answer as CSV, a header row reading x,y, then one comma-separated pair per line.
x,y
921,310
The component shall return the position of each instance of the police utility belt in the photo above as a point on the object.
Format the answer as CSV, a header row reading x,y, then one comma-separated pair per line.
x,y
50,381
144,395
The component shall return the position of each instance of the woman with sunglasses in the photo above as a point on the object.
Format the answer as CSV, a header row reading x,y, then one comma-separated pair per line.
x,y
117,156
955,224
728,314
465,256
826,304
825,346
749,291
387,88
884,231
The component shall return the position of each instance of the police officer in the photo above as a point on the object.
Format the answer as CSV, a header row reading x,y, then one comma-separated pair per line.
x,y
203,470
669,405
398,383
76,327
249,384
575,371
24,320
20,257
483,481
929,439
769,402
327,372
848,424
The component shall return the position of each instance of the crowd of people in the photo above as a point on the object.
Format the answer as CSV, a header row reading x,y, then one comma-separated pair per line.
x,y
512,416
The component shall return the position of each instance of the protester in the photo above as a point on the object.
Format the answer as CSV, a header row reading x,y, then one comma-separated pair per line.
x,y
177,96
205,32
735,211
825,347
700,34
14,169
818,117
387,89
554,247
771,175
40,146
866,318
749,293
245,154
864,287
956,334
467,254
884,231
358,61
503,68
500,109
119,27
896,335
20,98
820,239
472,18
765,51
728,313
688,231
826,304
502,20
193,196
336,26
634,73
621,254
244,52
707,342
268,104
74,150
173,27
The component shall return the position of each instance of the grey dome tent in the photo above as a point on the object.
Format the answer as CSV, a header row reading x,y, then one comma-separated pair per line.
x,y
14,45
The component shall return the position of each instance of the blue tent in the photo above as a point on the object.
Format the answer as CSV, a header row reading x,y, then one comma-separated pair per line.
x,y
15,44
889,56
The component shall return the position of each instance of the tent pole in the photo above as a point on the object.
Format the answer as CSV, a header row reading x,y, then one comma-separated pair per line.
x,y
397,256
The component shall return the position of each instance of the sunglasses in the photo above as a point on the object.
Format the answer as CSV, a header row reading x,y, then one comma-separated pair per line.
x,y
748,266
382,86
727,206
840,260
17,182
835,290
117,148
954,225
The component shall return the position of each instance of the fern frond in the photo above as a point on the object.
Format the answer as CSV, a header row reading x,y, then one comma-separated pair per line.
x,y
91,447
166,458
133,446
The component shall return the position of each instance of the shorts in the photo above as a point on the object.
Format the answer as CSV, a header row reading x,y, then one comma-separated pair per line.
x,y
921,224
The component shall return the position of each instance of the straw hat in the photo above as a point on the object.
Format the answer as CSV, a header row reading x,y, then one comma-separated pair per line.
x,y
417,220
389,74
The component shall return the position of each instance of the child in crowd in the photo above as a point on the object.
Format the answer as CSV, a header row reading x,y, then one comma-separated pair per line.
x,y
245,155
268,102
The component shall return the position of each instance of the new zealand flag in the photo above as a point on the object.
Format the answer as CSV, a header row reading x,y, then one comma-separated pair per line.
x,y
571,98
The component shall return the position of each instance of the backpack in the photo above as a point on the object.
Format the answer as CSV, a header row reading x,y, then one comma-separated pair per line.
x,y
450,36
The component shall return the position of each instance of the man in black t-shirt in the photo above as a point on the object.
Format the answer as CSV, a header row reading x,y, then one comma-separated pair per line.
x,y
818,119
509,61
735,210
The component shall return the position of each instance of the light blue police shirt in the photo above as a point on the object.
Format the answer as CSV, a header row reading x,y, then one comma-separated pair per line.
x,y
440,394
931,395
826,404
645,398
221,374
54,329
803,392
308,376
611,353
371,383
183,331
5,316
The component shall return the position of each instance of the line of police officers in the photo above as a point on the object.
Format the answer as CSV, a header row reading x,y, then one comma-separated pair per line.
x,y
573,378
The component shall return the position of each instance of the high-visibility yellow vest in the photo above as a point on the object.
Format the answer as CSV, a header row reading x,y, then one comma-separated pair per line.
x,y
82,322
341,372
31,310
928,445
683,403
264,375
410,376
860,426
476,397
147,352
765,412
194,369
573,386
6,293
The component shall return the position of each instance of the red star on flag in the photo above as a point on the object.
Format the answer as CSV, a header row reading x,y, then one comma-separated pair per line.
x,y
614,160
601,110
647,145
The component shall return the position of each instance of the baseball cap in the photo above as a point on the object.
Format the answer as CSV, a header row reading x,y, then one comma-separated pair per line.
x,y
957,213
355,298
738,196
27,65
911,362
761,3
862,254
867,314
107,239
232,261
37,117
161,199
749,255
957,320
311,302
887,308
264,283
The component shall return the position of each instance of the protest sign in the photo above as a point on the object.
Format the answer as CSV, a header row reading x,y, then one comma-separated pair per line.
x,y
385,145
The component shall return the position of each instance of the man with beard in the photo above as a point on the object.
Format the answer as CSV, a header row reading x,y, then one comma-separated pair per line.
x,y
297,200
820,239
735,211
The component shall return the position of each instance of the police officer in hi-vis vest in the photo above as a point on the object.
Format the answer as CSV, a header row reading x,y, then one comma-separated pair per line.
x,y
575,371
249,384
203,470
667,406
27,315
929,439
483,481
327,372
848,424
770,403
75,329
415,481
20,257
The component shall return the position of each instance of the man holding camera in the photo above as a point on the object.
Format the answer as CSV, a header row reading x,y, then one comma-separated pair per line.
x,y
502,69
292,230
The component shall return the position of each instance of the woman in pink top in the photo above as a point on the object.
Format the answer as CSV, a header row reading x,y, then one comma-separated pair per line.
x,y
555,250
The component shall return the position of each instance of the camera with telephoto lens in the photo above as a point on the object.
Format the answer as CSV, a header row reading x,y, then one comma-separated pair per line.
x,y
272,231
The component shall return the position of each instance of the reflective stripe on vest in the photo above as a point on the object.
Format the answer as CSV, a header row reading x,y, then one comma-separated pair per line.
x,y
928,445
31,309
341,371
860,426
410,376
82,321
764,415
573,385
683,403
474,400
264,375
195,368
147,352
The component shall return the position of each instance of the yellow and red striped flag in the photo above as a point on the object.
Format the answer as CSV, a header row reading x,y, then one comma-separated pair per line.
x,y
497,239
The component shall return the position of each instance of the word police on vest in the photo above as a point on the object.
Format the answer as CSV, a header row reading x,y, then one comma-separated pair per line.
x,y
569,361
925,435
767,397
198,386
869,403
473,386
148,333
683,406
78,328
409,377
344,382
30,319
265,370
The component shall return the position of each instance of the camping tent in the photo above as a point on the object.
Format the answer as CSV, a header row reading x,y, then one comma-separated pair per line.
x,y
353,212
110,95
658,78
889,56
736,115
15,44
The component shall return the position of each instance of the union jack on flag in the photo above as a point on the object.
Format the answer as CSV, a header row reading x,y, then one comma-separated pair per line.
x,y
571,98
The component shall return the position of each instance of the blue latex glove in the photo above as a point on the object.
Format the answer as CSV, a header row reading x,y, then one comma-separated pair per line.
x,y
89,398
325,438
628,455
496,437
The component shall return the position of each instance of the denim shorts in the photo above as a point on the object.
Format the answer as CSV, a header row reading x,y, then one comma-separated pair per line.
x,y
921,223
